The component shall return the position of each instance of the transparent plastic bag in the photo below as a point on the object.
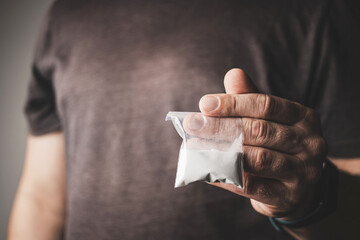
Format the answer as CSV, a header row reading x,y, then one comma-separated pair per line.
x,y
211,153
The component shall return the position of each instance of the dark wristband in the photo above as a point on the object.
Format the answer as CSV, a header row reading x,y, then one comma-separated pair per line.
x,y
327,204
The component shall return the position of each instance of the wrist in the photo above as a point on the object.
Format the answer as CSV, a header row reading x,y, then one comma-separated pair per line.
x,y
325,205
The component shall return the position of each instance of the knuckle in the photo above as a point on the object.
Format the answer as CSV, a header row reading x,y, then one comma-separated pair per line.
x,y
312,119
262,160
296,140
235,105
313,115
266,105
288,135
317,147
230,105
259,129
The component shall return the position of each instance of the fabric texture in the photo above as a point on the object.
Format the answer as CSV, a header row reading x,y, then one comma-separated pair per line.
x,y
107,72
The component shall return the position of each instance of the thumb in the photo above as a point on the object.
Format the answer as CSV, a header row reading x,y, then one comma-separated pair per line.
x,y
236,81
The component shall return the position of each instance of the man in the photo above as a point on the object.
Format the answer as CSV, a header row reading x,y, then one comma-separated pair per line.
x,y
105,74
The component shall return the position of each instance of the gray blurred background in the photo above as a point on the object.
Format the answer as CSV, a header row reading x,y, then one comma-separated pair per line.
x,y
19,24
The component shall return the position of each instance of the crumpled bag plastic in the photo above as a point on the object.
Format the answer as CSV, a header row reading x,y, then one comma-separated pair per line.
x,y
213,153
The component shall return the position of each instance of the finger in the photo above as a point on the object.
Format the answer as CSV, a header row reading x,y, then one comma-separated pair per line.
x,y
272,135
220,129
236,81
266,163
256,132
269,210
252,105
265,190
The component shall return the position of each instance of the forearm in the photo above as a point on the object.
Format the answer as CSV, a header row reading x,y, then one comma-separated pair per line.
x,y
39,207
32,218
342,224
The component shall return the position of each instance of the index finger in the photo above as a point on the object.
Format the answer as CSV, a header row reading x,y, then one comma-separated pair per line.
x,y
253,105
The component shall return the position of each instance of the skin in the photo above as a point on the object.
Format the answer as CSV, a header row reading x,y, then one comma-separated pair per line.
x,y
285,164
39,208
283,148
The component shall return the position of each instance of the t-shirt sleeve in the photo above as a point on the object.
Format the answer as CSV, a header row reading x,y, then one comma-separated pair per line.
x,y
338,80
40,106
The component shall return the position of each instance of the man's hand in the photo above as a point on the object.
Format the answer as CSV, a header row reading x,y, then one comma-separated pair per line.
x,y
283,146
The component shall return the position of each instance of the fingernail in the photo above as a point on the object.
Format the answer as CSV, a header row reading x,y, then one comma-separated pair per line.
x,y
196,122
209,103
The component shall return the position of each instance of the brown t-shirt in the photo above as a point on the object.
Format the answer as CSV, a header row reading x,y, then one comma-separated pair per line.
x,y
106,72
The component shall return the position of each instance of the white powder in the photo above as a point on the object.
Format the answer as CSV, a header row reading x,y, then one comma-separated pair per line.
x,y
210,166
